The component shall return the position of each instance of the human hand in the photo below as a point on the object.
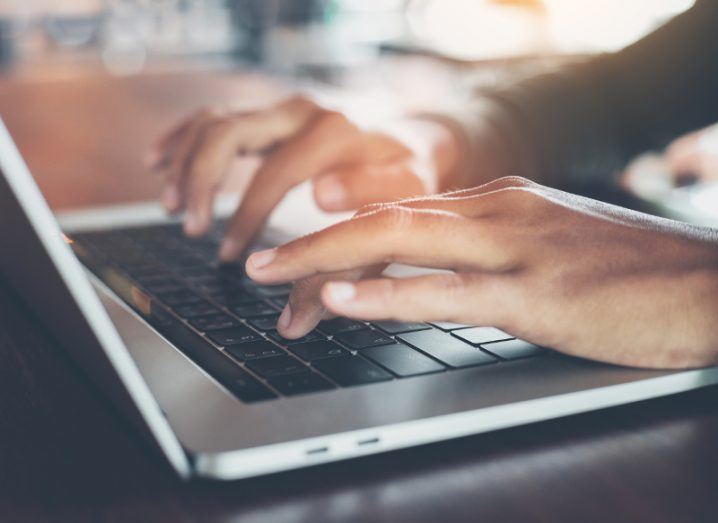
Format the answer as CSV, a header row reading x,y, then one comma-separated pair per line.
x,y
297,140
583,277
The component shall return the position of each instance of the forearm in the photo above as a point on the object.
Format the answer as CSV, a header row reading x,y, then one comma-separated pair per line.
x,y
585,121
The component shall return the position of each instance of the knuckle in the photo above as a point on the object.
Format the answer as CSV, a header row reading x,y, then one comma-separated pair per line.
x,y
454,285
225,128
387,291
514,181
207,113
203,176
334,121
307,243
520,196
370,208
306,288
298,101
396,219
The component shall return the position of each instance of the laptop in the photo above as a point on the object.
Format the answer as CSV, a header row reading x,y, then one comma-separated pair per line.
x,y
187,350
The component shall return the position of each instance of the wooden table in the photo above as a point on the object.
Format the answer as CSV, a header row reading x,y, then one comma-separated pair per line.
x,y
65,455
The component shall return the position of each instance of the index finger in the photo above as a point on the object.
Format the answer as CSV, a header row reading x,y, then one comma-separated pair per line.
x,y
329,140
426,238
158,153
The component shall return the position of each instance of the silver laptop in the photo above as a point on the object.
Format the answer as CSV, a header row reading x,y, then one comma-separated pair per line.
x,y
186,349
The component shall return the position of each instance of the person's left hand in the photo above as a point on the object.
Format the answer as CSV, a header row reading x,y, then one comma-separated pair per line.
x,y
562,271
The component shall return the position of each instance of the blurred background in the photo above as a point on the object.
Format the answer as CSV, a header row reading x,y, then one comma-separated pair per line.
x,y
387,56
129,36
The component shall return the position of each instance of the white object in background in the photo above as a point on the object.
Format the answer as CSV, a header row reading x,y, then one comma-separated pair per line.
x,y
649,178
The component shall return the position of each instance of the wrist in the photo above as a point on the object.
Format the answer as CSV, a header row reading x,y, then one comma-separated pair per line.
x,y
487,143
435,148
444,152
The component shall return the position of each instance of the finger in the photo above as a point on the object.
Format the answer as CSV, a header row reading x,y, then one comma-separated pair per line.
x,y
173,196
259,131
683,162
363,184
326,143
209,165
158,152
249,132
394,235
468,298
304,309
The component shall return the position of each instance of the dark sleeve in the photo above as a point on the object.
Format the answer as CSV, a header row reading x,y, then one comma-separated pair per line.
x,y
587,120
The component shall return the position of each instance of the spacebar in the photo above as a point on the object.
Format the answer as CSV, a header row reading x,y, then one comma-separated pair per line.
x,y
446,348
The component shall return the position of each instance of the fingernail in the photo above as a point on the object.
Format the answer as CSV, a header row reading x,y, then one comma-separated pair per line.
x,y
261,259
331,192
191,224
170,197
285,319
341,292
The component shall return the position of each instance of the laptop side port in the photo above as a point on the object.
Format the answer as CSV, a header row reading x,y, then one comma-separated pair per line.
x,y
318,450
368,441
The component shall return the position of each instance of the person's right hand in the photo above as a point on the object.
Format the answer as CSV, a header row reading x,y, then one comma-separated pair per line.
x,y
297,140
580,276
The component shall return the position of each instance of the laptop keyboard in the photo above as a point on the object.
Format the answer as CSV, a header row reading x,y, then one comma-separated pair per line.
x,y
226,323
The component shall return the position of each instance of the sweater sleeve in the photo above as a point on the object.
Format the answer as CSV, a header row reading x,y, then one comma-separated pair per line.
x,y
587,120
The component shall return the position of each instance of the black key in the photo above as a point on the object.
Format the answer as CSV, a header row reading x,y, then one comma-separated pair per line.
x,y
215,284
514,349
143,268
233,336
364,338
265,323
197,272
272,291
159,316
317,350
227,298
351,370
337,325
396,327
246,387
213,322
192,310
293,384
202,275
480,335
162,285
312,336
181,263
179,297
253,310
447,349
150,279
254,350
234,270
402,360
277,366
449,325
211,288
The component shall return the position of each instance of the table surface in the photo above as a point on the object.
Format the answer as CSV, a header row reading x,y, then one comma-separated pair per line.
x,y
65,454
